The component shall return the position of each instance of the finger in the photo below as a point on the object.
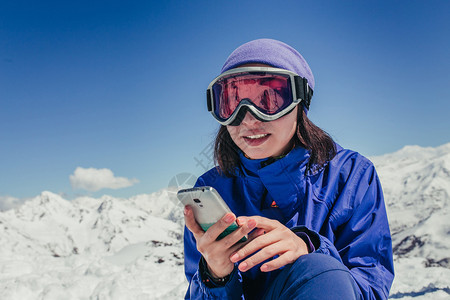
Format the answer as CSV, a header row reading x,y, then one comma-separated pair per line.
x,y
238,234
215,230
284,259
266,223
254,234
263,255
257,232
251,236
191,224
254,245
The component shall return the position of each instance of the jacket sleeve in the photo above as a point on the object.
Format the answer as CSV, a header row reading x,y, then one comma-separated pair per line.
x,y
197,289
359,233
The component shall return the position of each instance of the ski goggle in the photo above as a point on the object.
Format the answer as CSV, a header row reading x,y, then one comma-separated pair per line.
x,y
268,93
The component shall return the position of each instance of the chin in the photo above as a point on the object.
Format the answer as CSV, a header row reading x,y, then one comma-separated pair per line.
x,y
257,154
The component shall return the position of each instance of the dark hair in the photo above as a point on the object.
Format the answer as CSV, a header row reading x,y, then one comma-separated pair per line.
x,y
320,144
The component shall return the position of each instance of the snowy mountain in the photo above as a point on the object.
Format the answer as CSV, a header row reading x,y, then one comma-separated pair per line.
x,y
416,184
111,248
105,248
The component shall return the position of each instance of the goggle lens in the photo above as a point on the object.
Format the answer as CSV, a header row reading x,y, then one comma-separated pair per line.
x,y
270,93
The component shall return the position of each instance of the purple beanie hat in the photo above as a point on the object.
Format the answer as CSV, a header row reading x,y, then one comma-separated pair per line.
x,y
270,52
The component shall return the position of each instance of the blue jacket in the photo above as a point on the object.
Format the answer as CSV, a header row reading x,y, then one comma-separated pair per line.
x,y
340,206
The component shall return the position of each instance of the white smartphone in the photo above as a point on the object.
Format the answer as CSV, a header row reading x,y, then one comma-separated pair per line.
x,y
208,207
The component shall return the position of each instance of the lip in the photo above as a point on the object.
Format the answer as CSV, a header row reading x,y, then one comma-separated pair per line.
x,y
258,141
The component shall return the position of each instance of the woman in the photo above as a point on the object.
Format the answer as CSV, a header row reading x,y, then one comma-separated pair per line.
x,y
314,212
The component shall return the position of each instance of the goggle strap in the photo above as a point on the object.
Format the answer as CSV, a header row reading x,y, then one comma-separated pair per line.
x,y
303,90
208,99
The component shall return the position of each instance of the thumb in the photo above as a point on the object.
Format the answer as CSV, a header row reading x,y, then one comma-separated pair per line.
x,y
242,220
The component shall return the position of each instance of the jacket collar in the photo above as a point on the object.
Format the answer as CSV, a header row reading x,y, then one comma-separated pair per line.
x,y
297,154
283,178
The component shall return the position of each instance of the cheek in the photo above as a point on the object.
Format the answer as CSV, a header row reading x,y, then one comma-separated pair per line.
x,y
233,131
287,127
293,126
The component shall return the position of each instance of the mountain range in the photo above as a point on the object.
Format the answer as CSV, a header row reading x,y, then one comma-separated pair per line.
x,y
117,248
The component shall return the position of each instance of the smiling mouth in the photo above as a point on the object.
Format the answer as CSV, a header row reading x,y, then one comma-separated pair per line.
x,y
257,136
256,139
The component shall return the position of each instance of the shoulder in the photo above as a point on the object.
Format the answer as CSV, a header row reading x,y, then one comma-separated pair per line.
x,y
344,184
349,162
347,168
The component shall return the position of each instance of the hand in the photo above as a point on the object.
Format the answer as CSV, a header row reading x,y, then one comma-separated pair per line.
x,y
276,240
217,253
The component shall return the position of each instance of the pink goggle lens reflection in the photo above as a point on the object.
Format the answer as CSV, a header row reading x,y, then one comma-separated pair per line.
x,y
270,93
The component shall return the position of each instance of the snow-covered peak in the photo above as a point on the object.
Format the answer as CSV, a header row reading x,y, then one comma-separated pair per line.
x,y
412,154
416,179
44,204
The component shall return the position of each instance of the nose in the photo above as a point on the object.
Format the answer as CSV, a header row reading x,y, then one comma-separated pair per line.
x,y
249,119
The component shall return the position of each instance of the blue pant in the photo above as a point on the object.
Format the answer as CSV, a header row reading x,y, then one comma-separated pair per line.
x,y
314,276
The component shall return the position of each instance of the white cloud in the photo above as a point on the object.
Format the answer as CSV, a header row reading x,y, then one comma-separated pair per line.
x,y
92,179
8,202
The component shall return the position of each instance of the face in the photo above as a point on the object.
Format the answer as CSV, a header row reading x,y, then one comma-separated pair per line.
x,y
259,139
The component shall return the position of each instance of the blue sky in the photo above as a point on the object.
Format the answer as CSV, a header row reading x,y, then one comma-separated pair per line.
x,y
120,85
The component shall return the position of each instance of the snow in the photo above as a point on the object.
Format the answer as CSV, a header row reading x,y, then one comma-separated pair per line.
x,y
115,248
88,248
416,184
